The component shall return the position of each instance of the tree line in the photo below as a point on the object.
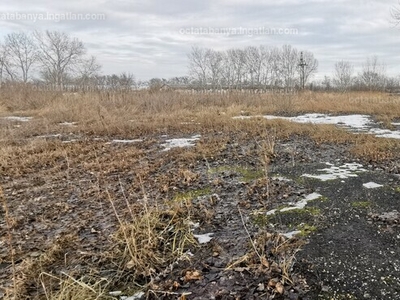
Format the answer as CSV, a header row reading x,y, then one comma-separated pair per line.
x,y
252,67
55,59
372,77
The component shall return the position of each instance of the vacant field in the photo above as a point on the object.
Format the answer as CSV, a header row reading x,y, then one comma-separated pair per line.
x,y
100,201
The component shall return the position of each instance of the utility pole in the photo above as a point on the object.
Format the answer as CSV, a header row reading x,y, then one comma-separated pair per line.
x,y
302,65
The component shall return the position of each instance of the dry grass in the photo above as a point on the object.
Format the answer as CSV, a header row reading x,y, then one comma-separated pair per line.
x,y
143,113
77,289
152,236
29,270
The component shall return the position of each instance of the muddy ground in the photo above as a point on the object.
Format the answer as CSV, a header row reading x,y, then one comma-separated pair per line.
x,y
346,247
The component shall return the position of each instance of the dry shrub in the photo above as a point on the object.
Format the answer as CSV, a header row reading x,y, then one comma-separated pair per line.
x,y
153,239
25,97
274,256
374,149
78,289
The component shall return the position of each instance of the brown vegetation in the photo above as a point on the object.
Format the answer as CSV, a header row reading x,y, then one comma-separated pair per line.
x,y
147,223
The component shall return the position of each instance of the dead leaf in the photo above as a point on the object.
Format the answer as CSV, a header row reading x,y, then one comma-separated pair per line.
x,y
176,285
280,288
272,283
193,275
131,264
264,262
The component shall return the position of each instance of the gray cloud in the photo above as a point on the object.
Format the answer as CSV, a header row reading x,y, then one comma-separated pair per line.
x,y
151,38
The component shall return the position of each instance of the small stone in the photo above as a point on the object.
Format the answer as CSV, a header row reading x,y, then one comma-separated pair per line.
x,y
115,293
261,287
325,288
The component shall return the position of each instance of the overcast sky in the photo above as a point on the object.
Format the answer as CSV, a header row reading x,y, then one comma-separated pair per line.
x,y
152,38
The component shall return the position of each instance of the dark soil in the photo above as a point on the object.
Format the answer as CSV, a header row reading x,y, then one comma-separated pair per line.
x,y
347,249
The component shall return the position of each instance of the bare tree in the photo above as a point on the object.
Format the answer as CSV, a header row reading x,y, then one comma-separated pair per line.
x,y
22,54
267,70
127,81
87,70
250,67
258,65
6,71
237,60
214,63
395,11
310,67
373,74
276,68
198,64
59,55
326,83
288,66
343,75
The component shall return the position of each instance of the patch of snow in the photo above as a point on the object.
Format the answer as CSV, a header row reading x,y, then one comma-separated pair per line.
x,y
126,141
351,121
204,238
385,133
356,122
341,172
115,293
301,204
182,142
291,234
136,296
72,124
70,141
281,178
372,185
313,196
46,136
18,119
296,205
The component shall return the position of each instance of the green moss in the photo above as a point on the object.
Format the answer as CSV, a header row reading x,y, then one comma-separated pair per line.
x,y
248,175
361,204
260,219
390,280
306,229
322,199
219,169
192,194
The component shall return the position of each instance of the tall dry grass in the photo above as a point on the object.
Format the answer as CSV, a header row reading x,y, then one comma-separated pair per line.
x,y
140,114
120,112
